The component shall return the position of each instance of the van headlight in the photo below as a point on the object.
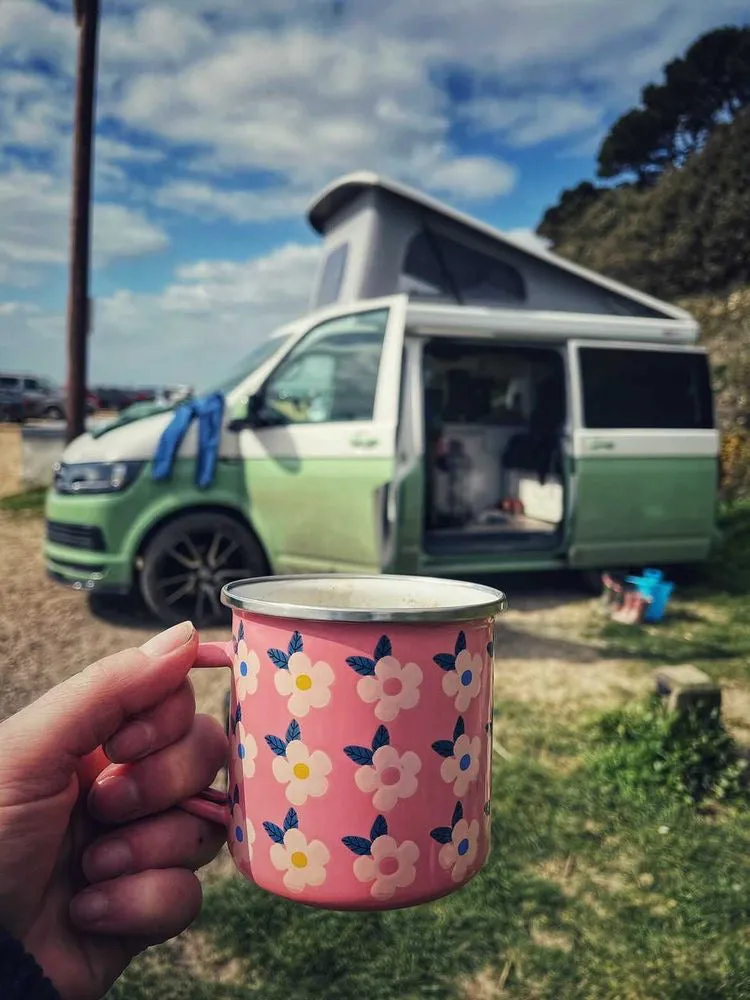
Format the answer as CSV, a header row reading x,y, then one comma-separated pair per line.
x,y
96,477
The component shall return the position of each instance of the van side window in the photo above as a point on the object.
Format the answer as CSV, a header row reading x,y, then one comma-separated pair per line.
x,y
331,375
438,267
332,275
632,389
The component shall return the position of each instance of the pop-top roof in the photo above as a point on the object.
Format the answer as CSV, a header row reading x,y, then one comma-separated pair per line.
x,y
346,189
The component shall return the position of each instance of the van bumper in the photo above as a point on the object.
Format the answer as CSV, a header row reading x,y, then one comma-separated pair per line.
x,y
86,582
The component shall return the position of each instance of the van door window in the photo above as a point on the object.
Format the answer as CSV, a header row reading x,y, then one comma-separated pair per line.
x,y
331,375
645,389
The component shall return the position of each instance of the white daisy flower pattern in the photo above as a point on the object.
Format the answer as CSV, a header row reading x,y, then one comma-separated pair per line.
x,y
382,861
385,682
463,673
246,750
461,758
306,684
305,774
247,668
303,862
384,773
244,840
460,843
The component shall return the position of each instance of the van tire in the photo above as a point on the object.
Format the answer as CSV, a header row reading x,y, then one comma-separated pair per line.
x,y
54,413
193,556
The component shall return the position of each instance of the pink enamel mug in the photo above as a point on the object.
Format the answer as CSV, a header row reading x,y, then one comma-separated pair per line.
x,y
360,737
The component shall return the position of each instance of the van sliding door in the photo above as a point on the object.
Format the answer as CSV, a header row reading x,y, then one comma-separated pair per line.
x,y
644,454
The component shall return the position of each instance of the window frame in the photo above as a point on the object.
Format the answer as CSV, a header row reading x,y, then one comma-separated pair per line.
x,y
341,250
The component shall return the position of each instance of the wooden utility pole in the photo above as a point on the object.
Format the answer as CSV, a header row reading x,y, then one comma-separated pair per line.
x,y
87,19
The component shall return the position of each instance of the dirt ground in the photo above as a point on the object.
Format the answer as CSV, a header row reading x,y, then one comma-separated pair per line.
x,y
48,632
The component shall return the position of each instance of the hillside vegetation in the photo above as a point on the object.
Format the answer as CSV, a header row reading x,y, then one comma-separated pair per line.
x,y
681,233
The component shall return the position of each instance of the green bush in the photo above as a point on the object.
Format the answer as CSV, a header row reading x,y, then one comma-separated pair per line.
x,y
642,751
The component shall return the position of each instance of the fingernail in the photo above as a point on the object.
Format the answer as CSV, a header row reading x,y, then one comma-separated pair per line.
x,y
133,741
168,641
117,796
107,860
89,907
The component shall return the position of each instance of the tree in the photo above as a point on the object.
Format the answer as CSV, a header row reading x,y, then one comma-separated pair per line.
x,y
706,87
640,142
573,203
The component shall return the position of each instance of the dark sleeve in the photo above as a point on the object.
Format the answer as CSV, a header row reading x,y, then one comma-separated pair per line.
x,y
20,976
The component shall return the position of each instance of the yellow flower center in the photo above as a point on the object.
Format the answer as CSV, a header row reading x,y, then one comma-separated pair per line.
x,y
301,771
299,859
304,682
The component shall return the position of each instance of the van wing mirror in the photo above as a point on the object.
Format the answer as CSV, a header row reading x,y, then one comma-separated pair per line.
x,y
249,415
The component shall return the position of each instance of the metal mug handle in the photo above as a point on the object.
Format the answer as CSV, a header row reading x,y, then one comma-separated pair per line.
x,y
210,804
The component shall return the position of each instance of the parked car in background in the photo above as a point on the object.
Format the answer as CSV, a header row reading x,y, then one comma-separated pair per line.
x,y
11,404
40,398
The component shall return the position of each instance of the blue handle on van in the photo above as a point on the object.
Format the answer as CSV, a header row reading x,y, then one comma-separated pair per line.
x,y
658,591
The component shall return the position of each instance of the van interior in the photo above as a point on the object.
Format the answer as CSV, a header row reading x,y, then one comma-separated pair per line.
x,y
494,420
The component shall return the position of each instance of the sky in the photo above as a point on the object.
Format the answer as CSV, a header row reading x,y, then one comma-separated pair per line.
x,y
219,120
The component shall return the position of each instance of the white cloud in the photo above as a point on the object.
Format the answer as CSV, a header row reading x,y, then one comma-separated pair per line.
x,y
531,120
528,238
209,201
473,177
196,328
35,213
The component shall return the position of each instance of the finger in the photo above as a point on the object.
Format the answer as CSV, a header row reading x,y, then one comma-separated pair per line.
x,y
213,654
154,905
127,791
171,840
74,718
166,723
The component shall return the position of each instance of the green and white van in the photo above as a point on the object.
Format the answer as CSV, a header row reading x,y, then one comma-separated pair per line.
x,y
459,426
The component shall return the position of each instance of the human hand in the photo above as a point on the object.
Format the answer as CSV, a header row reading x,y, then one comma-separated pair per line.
x,y
96,863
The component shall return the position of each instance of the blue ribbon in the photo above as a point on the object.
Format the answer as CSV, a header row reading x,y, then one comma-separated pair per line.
x,y
209,411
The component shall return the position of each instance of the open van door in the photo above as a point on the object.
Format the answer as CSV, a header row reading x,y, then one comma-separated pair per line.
x,y
644,454
319,461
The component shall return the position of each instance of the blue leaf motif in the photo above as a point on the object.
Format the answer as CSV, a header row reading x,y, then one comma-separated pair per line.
x,y
443,747
460,642
459,729
381,738
458,813
446,661
274,832
238,714
279,658
362,664
241,632
235,643
278,746
383,648
490,649
291,820
442,834
379,828
236,796
295,644
293,731
360,755
357,845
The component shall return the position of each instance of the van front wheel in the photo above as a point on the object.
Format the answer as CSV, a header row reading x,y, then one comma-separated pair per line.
x,y
189,560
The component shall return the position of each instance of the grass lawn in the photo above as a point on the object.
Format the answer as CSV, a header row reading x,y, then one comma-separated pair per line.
x,y
606,882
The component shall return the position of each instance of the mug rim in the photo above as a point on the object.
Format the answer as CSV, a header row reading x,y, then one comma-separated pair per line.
x,y
494,601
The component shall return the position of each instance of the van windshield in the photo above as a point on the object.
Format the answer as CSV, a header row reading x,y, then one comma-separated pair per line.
x,y
259,354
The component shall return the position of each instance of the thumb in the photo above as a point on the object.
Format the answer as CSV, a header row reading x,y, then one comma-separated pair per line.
x,y
74,718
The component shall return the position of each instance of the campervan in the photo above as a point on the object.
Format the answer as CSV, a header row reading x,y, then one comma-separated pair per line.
x,y
455,403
